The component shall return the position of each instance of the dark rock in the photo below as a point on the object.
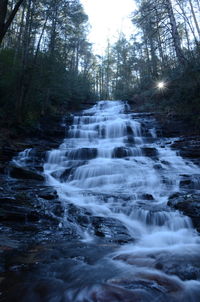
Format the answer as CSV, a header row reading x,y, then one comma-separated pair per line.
x,y
164,162
150,152
158,167
184,183
83,220
65,175
147,197
121,152
110,228
22,173
129,130
130,140
74,210
190,182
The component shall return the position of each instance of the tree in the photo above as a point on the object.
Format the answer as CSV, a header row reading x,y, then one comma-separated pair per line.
x,y
5,21
174,32
48,57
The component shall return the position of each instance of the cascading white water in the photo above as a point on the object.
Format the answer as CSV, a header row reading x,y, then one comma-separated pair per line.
x,y
108,157
22,158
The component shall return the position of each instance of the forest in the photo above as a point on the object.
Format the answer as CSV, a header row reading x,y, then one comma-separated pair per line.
x,y
99,153
47,65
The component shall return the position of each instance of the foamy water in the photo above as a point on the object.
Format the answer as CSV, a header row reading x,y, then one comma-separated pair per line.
x,y
115,167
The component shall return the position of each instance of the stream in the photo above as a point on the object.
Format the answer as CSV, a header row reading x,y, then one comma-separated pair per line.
x,y
114,174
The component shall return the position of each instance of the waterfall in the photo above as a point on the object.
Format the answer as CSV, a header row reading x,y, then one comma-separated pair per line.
x,y
114,166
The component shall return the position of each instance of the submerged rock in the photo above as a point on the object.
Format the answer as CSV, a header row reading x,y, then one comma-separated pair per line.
x,y
150,152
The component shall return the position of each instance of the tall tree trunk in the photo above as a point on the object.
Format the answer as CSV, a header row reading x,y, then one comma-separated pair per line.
x,y
175,34
159,42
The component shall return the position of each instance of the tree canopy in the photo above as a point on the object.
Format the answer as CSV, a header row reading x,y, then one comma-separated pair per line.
x,y
47,64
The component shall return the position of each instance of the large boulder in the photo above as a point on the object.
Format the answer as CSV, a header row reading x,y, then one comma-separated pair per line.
x,y
150,152
111,229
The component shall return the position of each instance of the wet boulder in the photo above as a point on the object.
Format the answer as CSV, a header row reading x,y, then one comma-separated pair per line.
x,y
78,215
129,130
147,196
63,176
150,152
120,152
110,229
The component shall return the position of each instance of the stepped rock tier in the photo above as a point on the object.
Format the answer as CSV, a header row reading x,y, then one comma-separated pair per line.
x,y
120,236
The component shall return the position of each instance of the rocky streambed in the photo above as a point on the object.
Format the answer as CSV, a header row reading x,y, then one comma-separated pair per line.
x,y
55,248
